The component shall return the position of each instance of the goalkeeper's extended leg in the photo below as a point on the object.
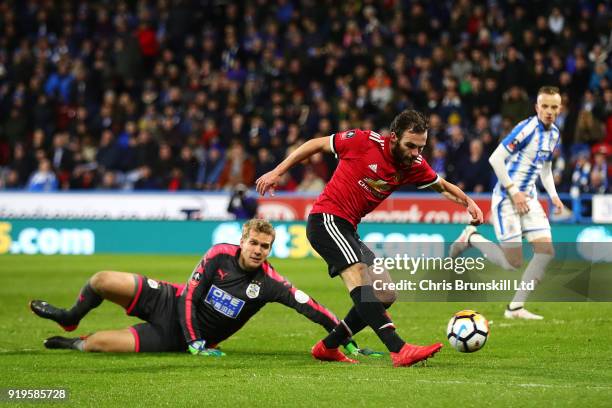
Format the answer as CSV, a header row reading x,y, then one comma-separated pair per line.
x,y
118,287
112,341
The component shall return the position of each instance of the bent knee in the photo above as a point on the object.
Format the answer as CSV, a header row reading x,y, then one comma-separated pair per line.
x,y
101,280
109,282
386,297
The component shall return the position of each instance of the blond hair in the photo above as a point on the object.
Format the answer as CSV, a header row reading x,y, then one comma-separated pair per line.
x,y
258,225
549,90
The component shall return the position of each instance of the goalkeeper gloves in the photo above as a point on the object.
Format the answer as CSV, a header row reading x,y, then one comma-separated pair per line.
x,y
351,348
198,348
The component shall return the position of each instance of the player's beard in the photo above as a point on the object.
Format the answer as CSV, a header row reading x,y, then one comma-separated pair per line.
x,y
400,157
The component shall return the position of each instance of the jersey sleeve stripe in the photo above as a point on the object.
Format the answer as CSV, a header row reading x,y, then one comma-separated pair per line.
x,y
317,307
376,140
188,306
268,270
218,249
332,145
422,186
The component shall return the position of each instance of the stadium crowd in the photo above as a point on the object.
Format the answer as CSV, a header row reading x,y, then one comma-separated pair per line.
x,y
209,94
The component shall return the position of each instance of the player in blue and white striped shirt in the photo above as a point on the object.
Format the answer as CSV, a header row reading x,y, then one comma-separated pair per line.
x,y
523,155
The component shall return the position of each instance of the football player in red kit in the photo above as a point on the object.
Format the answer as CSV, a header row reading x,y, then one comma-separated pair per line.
x,y
370,168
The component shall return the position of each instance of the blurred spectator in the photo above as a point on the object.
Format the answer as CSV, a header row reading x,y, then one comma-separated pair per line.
x,y
600,166
44,178
516,106
109,181
22,165
62,157
265,162
588,128
210,173
475,171
239,168
438,159
581,173
311,183
560,173
189,167
598,184
119,79
241,204
457,151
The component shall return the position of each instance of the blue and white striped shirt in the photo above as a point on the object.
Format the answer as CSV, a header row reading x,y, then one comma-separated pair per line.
x,y
530,144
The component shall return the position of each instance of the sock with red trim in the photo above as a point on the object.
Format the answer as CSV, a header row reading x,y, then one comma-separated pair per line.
x,y
347,328
373,313
87,300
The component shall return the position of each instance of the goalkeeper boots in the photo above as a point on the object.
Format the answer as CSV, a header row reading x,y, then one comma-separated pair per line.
x,y
59,342
58,315
411,354
320,352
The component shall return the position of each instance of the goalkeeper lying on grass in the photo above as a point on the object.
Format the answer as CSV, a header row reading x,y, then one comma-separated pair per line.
x,y
228,286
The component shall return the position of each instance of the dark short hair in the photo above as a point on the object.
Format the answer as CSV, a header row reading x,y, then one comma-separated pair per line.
x,y
409,120
549,90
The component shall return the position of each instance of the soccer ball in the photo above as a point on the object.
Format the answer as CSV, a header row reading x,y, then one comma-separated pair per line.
x,y
467,331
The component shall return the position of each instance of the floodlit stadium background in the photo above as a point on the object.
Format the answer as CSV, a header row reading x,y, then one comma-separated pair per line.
x,y
125,128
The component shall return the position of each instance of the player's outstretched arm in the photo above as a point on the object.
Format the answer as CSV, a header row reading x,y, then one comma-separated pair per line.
x,y
299,301
454,193
269,181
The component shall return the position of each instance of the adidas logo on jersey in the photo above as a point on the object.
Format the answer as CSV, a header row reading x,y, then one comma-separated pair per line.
x,y
373,167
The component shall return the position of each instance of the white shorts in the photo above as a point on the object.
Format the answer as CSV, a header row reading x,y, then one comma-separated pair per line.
x,y
510,227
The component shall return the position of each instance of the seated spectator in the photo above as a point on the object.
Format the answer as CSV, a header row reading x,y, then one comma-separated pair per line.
x,y
600,164
109,181
44,178
457,151
438,159
137,78
239,168
581,173
311,183
588,128
189,167
265,162
597,185
210,172
22,164
475,170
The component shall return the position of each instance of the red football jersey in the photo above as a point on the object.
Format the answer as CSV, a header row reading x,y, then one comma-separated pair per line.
x,y
366,175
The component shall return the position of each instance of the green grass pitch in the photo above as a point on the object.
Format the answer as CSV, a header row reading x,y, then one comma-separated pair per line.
x,y
565,360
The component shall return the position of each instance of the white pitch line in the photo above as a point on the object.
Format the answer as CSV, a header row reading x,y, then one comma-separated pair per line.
x,y
450,382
